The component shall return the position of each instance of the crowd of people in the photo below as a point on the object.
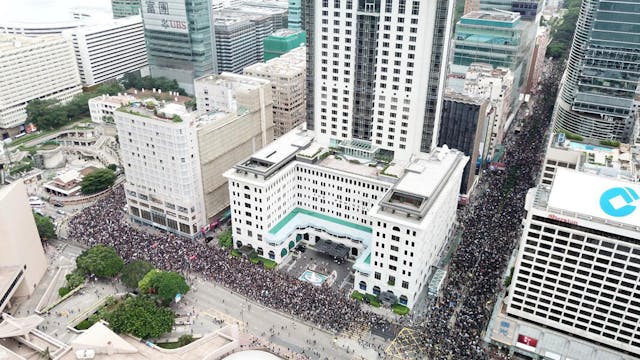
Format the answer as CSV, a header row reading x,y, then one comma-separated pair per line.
x,y
105,223
453,327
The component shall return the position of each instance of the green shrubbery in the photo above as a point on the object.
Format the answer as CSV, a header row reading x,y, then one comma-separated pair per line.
x,y
612,143
400,309
357,295
226,240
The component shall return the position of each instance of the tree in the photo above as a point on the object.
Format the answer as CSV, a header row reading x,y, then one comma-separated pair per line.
x,y
45,227
112,167
46,114
134,80
97,181
139,316
165,284
226,240
111,88
100,260
190,104
135,271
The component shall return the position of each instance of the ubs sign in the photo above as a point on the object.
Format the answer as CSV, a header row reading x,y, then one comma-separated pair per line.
x,y
167,15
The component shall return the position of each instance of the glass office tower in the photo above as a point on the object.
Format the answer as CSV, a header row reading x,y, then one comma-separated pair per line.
x,y
180,39
124,8
600,82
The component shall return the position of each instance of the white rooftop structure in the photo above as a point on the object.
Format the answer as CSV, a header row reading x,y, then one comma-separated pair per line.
x,y
252,355
582,194
102,340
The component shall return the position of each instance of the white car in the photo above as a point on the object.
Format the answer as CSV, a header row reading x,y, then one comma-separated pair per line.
x,y
61,212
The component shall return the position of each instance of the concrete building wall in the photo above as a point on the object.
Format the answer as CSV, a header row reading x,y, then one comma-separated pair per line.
x,y
221,146
288,87
108,51
19,239
34,68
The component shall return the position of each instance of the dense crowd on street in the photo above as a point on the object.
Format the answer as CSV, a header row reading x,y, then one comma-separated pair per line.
x,y
491,229
105,223
450,330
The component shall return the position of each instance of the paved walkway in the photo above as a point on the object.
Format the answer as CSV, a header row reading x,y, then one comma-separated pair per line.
x,y
287,332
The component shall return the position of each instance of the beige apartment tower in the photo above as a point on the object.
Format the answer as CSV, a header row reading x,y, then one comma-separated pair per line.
x,y
287,76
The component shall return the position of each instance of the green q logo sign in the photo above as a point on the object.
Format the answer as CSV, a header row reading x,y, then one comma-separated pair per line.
x,y
627,195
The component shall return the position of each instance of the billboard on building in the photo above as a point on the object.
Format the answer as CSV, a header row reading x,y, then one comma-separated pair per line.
x,y
527,343
598,196
165,15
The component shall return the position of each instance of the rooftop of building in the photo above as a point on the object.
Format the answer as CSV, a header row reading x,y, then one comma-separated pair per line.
x,y
286,33
233,81
175,112
90,28
291,62
612,159
413,195
456,96
10,42
413,185
244,12
133,95
500,18
578,196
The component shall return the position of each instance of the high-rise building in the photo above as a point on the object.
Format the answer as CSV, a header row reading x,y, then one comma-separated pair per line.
x,y
600,83
578,264
498,38
180,39
287,75
537,59
22,259
240,34
125,8
295,14
42,67
108,51
482,80
283,41
174,158
378,71
464,127
528,9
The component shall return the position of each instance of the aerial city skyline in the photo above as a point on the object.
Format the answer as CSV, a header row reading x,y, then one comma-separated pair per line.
x,y
320,179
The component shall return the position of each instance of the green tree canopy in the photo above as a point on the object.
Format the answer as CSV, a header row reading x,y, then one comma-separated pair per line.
x,y
49,114
141,317
165,284
562,30
45,227
135,271
97,181
100,260
46,114
134,80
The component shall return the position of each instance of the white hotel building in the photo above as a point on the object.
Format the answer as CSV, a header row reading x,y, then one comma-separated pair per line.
x,y
394,220
108,50
378,70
